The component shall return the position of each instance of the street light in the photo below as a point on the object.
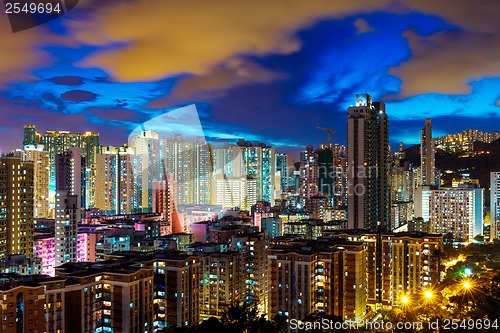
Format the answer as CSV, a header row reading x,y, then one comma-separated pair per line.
x,y
404,299
428,294
466,285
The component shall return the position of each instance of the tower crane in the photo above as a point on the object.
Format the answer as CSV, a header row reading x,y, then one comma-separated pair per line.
x,y
329,133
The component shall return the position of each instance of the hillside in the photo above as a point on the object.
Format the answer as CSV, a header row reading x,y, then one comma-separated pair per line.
x,y
478,166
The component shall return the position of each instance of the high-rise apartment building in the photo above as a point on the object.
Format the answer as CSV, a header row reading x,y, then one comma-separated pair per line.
x,y
234,192
58,143
494,205
176,289
454,211
22,307
190,163
228,160
397,264
341,180
68,215
220,282
164,196
70,174
316,206
402,192
149,165
427,155
326,173
368,164
253,269
259,161
283,169
402,182
114,297
16,207
117,189
308,185
41,178
327,275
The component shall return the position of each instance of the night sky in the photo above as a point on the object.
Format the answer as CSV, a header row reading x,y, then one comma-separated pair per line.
x,y
260,70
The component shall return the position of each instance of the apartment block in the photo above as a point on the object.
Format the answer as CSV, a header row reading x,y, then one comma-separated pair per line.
x,y
16,207
114,296
323,275
253,268
220,282
397,264
454,211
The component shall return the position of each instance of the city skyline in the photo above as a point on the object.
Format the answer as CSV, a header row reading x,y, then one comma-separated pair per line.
x,y
302,73
164,166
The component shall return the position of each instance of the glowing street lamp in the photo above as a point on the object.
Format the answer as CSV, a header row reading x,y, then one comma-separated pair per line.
x,y
428,294
405,300
466,285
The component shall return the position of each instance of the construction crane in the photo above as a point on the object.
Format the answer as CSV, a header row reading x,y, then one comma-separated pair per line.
x,y
329,134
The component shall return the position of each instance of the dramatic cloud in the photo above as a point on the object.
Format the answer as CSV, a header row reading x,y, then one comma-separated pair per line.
x,y
92,93
479,15
159,38
480,102
446,62
230,74
262,70
18,52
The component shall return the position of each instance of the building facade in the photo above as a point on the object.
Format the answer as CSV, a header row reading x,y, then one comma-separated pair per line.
x,y
368,164
427,155
16,207
457,212
494,205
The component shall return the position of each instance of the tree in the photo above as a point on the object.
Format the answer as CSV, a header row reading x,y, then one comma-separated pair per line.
x,y
489,300
319,317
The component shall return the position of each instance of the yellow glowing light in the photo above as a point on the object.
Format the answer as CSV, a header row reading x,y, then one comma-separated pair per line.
x,y
466,285
428,294
405,300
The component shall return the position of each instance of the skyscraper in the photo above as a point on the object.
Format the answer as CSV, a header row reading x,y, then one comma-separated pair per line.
x,y
117,189
308,174
282,168
149,162
494,204
368,164
67,218
58,143
326,173
70,174
41,175
16,207
190,163
427,155
260,163
456,211
164,196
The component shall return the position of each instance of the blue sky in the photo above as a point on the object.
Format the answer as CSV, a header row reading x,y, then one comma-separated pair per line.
x,y
255,71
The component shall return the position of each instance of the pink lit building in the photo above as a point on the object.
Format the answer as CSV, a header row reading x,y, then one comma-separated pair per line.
x,y
45,250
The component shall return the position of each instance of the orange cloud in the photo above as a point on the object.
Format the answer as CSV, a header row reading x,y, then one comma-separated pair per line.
x,y
446,62
17,51
163,37
231,73
480,15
